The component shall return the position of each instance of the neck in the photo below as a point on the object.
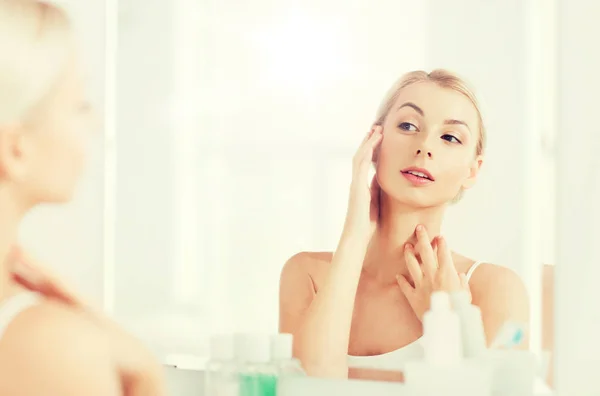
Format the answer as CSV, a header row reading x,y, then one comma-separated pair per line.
x,y
385,256
11,215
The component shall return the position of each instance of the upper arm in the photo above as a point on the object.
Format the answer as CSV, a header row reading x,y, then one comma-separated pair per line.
x,y
502,297
296,292
54,352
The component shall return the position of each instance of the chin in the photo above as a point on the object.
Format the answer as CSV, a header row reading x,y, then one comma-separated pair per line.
x,y
64,197
418,198
56,197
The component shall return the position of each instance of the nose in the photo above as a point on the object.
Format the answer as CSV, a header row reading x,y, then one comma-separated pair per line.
x,y
428,153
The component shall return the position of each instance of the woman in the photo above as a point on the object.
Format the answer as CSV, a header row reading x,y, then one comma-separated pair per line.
x,y
363,304
50,342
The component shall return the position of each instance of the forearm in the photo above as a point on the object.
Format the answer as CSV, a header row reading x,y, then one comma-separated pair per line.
x,y
322,342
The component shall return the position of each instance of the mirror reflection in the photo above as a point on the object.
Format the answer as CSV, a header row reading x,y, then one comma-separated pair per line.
x,y
283,136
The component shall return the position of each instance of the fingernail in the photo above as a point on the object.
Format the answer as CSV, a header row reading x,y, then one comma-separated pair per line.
x,y
407,247
419,228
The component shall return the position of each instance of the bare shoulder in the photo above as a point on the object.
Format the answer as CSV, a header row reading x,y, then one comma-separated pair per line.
x,y
502,297
51,349
496,281
298,285
489,280
311,265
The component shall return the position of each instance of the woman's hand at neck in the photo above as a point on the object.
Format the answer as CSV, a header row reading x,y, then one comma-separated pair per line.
x,y
397,225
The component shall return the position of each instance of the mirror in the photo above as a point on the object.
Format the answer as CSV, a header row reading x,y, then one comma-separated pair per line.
x,y
251,117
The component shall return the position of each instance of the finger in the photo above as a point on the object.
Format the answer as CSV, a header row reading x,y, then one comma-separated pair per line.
x,y
444,255
405,286
428,259
38,280
46,289
376,143
412,264
361,171
375,189
365,152
368,135
356,159
375,197
464,283
434,246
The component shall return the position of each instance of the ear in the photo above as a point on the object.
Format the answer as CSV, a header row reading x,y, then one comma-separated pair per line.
x,y
12,144
473,172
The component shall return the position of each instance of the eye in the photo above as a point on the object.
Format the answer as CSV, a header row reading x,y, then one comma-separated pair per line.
x,y
451,138
406,126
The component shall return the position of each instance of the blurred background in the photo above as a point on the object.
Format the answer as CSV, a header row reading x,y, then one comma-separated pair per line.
x,y
228,133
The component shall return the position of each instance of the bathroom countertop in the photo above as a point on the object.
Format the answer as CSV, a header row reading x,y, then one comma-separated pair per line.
x,y
325,387
185,362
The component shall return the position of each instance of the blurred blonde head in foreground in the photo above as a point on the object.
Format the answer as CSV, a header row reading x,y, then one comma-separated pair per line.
x,y
43,115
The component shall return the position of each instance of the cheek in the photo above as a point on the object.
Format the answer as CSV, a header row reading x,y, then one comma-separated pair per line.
x,y
74,151
65,154
393,149
454,172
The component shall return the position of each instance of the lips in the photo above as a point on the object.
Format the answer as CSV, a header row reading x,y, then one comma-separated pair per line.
x,y
418,172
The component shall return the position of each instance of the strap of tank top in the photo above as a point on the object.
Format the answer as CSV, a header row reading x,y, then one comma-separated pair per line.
x,y
472,269
13,306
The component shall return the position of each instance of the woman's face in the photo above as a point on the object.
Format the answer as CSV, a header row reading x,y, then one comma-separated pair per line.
x,y
428,151
43,158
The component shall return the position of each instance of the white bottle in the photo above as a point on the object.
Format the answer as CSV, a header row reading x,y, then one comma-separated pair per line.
x,y
282,356
444,371
257,376
471,324
220,376
442,341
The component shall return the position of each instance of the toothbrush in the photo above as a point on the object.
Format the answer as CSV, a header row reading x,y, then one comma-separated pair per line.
x,y
511,334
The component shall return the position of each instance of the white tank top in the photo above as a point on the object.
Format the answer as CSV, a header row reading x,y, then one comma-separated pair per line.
x,y
395,360
13,306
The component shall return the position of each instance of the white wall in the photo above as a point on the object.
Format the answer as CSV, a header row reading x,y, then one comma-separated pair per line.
x,y
500,219
471,37
578,183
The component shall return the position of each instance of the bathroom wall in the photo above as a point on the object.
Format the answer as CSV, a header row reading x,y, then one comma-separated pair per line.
x,y
578,193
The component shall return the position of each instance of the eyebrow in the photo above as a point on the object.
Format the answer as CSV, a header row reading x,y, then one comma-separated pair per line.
x,y
457,122
413,106
422,113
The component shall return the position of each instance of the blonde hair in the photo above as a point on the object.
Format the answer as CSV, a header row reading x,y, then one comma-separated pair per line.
x,y
35,45
442,78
